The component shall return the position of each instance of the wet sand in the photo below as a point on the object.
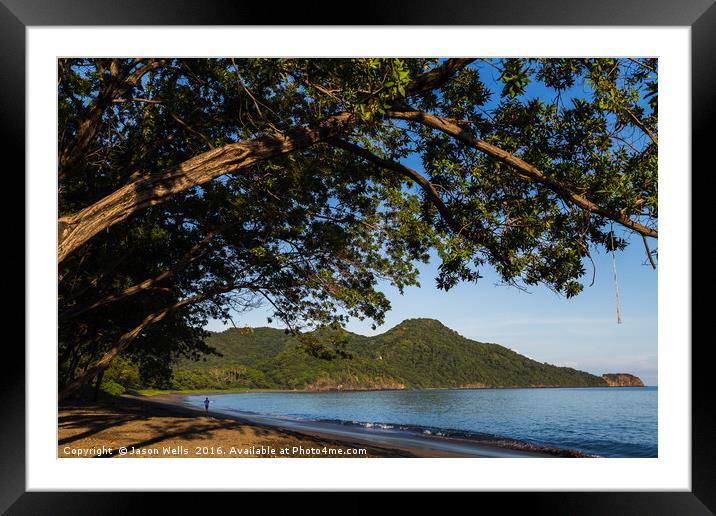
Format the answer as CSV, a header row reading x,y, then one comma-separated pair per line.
x,y
167,426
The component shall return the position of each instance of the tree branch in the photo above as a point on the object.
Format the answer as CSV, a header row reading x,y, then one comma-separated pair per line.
x,y
480,238
137,99
152,189
651,69
190,128
196,252
523,169
641,125
436,77
90,122
648,252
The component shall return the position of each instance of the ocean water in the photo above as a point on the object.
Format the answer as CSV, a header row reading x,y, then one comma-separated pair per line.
x,y
608,422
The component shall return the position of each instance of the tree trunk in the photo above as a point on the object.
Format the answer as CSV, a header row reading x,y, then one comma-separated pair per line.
x,y
126,339
70,374
97,384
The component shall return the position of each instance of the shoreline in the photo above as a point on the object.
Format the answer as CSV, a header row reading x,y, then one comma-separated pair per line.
x,y
168,426
414,443
152,393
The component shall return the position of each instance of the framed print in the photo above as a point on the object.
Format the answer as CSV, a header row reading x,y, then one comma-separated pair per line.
x,y
424,236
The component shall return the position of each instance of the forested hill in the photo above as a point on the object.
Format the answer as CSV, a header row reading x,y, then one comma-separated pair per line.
x,y
417,353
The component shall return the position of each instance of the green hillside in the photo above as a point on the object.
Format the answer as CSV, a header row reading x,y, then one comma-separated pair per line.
x,y
417,353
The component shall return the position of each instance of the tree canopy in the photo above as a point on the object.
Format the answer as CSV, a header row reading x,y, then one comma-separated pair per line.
x,y
196,189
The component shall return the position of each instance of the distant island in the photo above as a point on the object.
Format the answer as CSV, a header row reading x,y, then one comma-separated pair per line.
x,y
415,354
622,380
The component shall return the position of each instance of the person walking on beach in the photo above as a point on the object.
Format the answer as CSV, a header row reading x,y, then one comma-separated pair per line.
x,y
206,404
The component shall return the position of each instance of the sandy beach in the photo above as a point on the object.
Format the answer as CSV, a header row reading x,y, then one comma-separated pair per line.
x,y
161,427
166,426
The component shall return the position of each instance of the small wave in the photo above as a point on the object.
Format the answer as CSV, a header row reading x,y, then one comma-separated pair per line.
x,y
433,432
377,425
476,437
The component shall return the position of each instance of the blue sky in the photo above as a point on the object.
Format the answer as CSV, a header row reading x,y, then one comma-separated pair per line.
x,y
581,332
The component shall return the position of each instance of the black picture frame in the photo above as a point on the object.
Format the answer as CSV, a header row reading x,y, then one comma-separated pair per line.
x,y
17,15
